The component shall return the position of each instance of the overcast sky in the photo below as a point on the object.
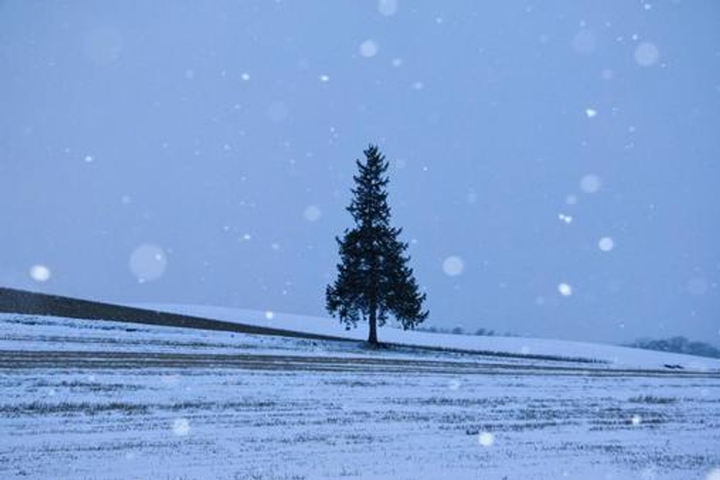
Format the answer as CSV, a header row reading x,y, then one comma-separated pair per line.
x,y
555,165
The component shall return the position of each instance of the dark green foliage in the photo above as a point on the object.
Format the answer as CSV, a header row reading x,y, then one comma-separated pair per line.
x,y
374,279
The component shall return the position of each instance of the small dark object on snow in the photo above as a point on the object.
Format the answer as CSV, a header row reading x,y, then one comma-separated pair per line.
x,y
674,366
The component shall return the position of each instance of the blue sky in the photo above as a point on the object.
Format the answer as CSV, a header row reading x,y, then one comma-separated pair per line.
x,y
554,164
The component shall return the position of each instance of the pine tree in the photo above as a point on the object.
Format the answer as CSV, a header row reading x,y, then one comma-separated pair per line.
x,y
374,279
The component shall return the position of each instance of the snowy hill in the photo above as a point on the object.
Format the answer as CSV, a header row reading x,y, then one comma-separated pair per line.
x,y
607,356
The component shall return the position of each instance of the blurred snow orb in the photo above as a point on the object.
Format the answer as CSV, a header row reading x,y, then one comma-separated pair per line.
x,y
636,420
269,315
40,273
148,262
584,42
486,439
713,474
103,46
590,183
387,7
646,54
89,158
369,48
565,289
312,213
245,76
454,384
697,286
324,78
453,266
648,473
181,427
606,244
590,112
277,111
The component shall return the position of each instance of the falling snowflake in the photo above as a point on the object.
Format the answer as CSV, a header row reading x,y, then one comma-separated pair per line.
x,y
606,244
646,54
486,439
181,427
697,286
453,266
565,289
148,262
590,183
565,218
312,213
40,273
590,112
277,111
387,8
369,48
103,46
648,473
584,42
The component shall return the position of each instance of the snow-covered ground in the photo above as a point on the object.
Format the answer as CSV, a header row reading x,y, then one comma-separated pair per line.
x,y
610,355
106,400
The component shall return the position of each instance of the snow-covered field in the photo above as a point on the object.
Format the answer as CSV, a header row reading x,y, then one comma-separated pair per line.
x,y
610,356
102,400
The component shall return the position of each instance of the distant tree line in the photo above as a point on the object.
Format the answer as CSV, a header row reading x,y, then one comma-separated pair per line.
x,y
678,345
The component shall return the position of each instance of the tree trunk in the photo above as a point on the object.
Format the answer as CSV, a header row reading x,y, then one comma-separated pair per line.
x,y
372,338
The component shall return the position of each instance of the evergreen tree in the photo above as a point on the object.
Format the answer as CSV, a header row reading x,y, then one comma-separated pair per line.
x,y
374,279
